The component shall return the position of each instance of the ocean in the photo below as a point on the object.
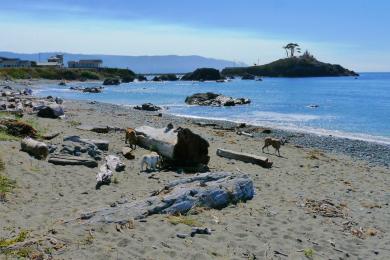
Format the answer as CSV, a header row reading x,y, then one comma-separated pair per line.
x,y
344,106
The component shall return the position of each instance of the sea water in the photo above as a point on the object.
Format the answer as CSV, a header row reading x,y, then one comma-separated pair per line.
x,y
350,107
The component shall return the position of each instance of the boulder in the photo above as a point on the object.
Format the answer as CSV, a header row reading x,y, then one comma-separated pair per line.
x,y
50,111
141,78
92,89
209,190
111,81
203,74
127,79
148,107
212,99
166,77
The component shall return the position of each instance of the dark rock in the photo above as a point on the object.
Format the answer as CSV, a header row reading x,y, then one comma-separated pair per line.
x,y
212,99
203,74
111,81
128,79
166,77
62,83
141,78
50,111
200,230
93,89
148,107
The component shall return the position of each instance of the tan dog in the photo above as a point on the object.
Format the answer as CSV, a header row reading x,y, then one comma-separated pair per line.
x,y
275,143
131,138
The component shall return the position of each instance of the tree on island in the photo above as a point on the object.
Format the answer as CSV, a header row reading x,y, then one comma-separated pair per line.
x,y
291,47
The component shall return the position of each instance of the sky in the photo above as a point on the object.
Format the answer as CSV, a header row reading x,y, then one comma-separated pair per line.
x,y
354,34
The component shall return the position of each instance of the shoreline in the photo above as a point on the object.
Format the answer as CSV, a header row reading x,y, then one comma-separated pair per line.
x,y
373,152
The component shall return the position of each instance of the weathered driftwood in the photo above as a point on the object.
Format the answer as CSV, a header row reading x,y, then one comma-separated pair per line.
x,y
114,163
51,135
72,160
245,157
35,148
99,128
178,146
209,190
244,133
104,175
101,144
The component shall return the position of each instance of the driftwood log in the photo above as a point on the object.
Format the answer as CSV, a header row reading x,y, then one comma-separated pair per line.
x,y
113,163
210,190
35,148
180,147
245,157
72,160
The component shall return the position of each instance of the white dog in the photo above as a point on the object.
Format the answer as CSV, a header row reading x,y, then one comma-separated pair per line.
x,y
151,160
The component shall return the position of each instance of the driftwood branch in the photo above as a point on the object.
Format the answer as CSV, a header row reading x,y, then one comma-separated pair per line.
x,y
245,157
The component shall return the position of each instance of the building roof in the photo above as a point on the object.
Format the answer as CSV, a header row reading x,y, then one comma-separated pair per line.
x,y
89,61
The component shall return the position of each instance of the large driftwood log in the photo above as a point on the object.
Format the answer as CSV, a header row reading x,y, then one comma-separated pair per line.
x,y
35,148
72,160
114,163
245,157
178,146
210,190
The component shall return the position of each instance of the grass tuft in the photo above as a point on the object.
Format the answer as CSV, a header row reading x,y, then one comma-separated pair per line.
x,y
180,219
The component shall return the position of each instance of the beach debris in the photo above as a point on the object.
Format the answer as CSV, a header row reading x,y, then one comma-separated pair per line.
x,y
179,147
35,148
126,152
18,128
200,230
148,107
204,124
212,99
313,106
325,208
50,111
209,190
75,147
61,159
245,157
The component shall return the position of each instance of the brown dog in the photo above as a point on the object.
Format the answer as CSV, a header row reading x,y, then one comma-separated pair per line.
x,y
131,138
275,143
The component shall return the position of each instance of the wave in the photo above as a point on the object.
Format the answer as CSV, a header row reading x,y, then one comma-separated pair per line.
x,y
300,129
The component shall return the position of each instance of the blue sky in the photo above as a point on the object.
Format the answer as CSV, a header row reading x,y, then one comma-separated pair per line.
x,y
352,33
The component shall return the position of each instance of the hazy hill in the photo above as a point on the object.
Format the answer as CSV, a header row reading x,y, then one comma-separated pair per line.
x,y
303,66
139,64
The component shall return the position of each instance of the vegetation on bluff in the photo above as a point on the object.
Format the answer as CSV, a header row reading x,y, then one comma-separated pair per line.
x,y
66,73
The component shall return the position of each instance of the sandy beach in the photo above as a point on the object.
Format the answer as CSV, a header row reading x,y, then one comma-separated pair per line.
x,y
286,219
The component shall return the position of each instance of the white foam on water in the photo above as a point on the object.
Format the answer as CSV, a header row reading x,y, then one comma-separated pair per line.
x,y
301,129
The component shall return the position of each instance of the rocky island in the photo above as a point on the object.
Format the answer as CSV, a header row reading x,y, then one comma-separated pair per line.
x,y
301,66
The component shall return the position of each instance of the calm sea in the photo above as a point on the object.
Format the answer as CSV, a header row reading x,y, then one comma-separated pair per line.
x,y
347,107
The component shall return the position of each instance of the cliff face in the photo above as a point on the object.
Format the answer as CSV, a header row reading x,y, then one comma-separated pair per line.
x,y
292,67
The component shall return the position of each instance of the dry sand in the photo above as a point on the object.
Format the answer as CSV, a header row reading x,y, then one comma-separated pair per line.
x,y
276,224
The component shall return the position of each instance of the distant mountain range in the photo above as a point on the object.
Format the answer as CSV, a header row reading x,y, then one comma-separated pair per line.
x,y
139,64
